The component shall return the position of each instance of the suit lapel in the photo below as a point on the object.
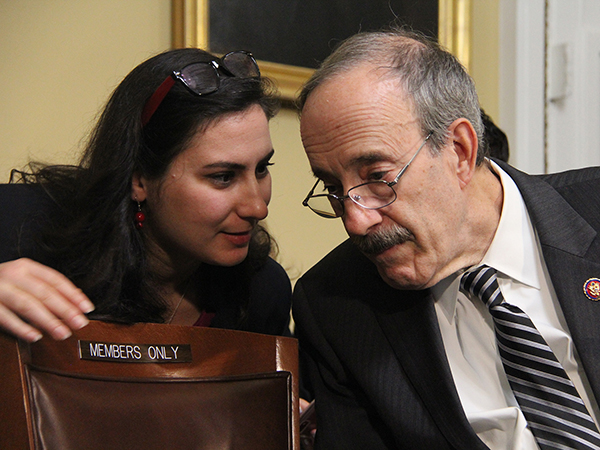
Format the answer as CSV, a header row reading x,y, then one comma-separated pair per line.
x,y
415,338
569,275
570,248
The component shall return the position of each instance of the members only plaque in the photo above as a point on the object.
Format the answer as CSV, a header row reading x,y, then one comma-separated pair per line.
x,y
135,353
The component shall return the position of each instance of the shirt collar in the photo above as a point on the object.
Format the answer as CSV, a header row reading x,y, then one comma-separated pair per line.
x,y
513,251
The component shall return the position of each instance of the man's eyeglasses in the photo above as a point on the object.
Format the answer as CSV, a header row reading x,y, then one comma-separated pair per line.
x,y
370,195
203,78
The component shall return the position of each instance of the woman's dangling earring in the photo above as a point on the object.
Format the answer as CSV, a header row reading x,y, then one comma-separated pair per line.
x,y
139,217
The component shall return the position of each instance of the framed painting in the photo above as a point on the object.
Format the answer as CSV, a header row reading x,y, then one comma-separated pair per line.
x,y
290,38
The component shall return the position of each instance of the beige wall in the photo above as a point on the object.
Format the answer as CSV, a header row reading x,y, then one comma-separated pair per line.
x,y
62,58
303,237
59,61
485,36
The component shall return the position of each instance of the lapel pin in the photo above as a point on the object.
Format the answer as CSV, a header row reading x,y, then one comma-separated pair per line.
x,y
591,289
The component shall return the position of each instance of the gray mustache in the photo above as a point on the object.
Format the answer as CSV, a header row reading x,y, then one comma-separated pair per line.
x,y
382,240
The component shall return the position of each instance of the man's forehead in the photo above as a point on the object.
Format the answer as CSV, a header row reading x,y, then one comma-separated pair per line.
x,y
349,110
363,83
355,119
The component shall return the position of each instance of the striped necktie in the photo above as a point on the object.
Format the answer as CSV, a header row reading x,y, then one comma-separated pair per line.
x,y
555,413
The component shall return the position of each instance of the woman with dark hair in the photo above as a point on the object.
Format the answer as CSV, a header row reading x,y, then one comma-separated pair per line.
x,y
159,222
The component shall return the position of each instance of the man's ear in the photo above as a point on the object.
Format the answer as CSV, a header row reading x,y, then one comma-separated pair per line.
x,y
138,188
463,141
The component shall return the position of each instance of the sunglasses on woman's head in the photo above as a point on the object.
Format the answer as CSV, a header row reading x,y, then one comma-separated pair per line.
x,y
203,78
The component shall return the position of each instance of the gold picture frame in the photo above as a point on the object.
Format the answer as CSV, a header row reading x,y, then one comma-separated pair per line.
x,y
190,22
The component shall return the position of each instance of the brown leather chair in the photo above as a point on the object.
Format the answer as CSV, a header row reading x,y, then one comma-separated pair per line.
x,y
149,386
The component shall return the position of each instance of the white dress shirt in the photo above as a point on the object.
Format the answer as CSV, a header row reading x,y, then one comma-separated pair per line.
x,y
468,330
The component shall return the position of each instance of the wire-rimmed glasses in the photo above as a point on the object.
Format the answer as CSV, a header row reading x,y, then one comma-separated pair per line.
x,y
370,195
203,78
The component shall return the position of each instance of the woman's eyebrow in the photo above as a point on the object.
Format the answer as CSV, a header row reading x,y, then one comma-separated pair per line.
x,y
269,155
225,165
236,166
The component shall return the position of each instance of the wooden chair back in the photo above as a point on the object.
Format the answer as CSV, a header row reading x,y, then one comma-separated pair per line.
x,y
149,386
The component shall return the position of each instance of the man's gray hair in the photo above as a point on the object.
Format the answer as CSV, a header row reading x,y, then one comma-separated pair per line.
x,y
438,84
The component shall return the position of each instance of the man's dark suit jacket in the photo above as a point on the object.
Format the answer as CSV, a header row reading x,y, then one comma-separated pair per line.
x,y
375,354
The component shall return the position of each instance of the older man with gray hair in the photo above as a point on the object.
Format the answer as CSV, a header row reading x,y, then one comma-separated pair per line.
x,y
463,311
